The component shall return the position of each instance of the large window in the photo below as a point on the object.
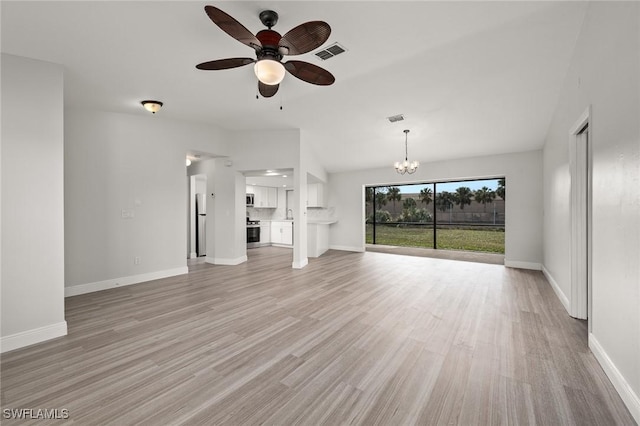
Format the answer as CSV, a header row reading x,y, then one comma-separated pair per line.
x,y
461,215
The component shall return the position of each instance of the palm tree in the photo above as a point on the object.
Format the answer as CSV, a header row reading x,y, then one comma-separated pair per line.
x,y
444,200
463,196
426,195
393,195
368,196
409,203
485,196
501,191
381,198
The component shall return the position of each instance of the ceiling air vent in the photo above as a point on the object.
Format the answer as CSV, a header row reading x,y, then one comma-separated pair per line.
x,y
395,118
331,51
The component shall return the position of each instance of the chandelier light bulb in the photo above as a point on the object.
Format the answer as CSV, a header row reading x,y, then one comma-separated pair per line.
x,y
269,72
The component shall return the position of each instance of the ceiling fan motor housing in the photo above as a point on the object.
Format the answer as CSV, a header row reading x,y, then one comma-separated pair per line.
x,y
269,18
269,40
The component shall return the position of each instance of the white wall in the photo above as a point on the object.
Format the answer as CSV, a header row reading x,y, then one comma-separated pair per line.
x,y
604,74
227,207
116,162
32,202
265,149
523,173
308,156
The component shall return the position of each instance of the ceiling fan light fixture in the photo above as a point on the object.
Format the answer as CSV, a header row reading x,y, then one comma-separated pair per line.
x,y
152,106
269,71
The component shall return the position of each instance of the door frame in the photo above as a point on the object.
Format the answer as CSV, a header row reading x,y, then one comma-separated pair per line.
x,y
580,167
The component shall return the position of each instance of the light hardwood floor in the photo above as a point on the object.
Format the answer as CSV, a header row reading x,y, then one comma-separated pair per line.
x,y
353,338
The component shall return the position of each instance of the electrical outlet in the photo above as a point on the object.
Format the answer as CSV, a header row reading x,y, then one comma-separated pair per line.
x,y
136,260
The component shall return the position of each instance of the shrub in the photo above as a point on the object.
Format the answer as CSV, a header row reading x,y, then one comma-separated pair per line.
x,y
382,216
415,215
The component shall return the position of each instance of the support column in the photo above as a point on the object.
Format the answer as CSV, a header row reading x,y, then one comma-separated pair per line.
x,y
300,259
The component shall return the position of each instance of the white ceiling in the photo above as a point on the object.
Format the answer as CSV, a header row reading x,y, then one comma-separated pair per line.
x,y
471,78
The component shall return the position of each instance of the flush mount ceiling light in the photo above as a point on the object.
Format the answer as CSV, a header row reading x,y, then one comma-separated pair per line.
x,y
152,106
405,166
188,162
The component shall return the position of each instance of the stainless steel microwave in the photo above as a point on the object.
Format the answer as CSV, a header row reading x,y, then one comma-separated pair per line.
x,y
249,200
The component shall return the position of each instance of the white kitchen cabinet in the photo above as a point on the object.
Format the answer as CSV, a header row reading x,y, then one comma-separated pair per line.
x,y
259,197
315,195
282,233
287,233
265,197
272,197
276,234
250,189
265,233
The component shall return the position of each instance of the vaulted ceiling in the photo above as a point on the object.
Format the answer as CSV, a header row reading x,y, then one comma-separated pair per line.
x,y
470,78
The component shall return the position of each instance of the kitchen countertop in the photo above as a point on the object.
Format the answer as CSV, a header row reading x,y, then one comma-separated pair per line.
x,y
309,221
321,222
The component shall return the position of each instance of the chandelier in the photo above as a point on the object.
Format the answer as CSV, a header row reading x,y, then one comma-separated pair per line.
x,y
405,166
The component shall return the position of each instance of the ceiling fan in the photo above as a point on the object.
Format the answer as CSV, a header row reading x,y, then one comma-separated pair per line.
x,y
270,47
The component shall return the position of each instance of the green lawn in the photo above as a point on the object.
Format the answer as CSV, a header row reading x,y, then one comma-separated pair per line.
x,y
484,240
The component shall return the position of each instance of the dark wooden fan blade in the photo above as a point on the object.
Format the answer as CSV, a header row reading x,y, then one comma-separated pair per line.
x,y
304,38
223,64
232,27
267,90
310,73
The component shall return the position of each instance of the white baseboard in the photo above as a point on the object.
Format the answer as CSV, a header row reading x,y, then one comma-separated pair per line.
x,y
123,281
299,265
347,248
193,255
223,261
522,265
629,397
556,288
31,337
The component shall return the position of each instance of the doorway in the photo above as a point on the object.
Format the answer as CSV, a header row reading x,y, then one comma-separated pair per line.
x,y
197,216
580,169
